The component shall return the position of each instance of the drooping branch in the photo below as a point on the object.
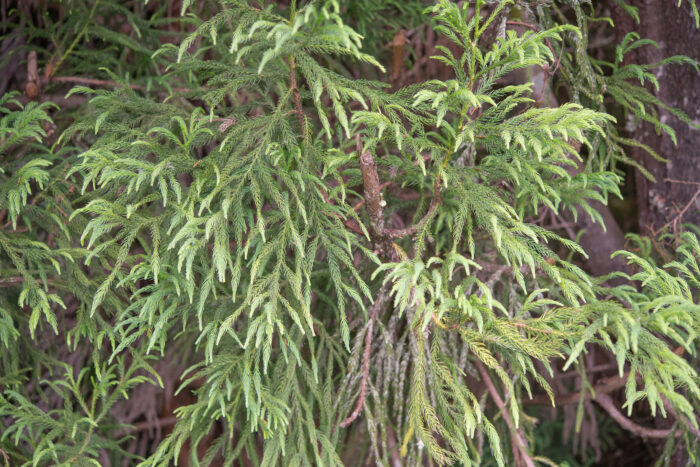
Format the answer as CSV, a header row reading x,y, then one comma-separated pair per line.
x,y
688,423
381,300
608,405
600,394
518,441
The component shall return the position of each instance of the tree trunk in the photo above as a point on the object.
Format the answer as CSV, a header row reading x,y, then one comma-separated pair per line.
x,y
672,198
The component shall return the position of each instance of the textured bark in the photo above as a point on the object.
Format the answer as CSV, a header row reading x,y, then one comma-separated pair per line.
x,y
374,202
673,28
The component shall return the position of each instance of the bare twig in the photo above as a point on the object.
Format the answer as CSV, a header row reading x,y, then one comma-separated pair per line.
x,y
382,298
601,396
518,441
689,424
682,182
522,23
679,216
609,406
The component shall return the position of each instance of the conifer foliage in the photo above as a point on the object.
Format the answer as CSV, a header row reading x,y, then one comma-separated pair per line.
x,y
340,273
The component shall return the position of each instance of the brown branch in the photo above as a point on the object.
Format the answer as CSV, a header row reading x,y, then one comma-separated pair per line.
x,y
517,438
11,281
682,182
602,397
362,201
374,202
689,424
382,297
373,195
609,406
32,89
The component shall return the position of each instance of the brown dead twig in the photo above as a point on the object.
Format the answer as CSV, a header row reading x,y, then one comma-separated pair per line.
x,y
678,217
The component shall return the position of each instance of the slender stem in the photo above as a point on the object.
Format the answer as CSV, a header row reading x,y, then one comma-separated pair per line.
x,y
77,38
680,214
608,405
518,441
382,298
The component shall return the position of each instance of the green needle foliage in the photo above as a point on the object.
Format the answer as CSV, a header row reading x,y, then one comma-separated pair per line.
x,y
204,213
